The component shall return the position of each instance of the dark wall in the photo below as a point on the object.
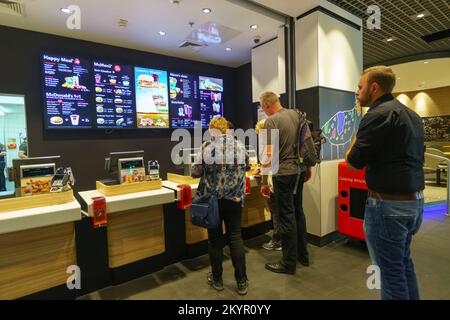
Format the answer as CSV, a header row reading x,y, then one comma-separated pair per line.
x,y
85,151
245,112
307,100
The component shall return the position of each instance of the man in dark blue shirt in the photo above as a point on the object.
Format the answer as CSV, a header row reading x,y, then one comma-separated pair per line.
x,y
390,146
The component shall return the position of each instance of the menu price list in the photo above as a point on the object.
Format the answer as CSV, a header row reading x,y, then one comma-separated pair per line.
x,y
114,96
183,100
211,105
66,92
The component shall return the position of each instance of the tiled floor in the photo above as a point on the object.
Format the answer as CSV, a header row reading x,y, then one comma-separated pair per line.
x,y
338,271
435,193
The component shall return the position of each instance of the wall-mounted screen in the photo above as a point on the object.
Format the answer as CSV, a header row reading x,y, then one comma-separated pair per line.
x,y
152,103
211,95
183,93
114,96
67,93
83,93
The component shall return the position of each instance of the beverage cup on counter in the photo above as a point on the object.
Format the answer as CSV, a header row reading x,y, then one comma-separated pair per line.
x,y
74,118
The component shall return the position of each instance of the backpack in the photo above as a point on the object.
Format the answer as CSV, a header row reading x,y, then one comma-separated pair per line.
x,y
309,143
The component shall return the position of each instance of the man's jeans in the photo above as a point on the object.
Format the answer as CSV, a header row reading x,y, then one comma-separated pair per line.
x,y
389,227
292,219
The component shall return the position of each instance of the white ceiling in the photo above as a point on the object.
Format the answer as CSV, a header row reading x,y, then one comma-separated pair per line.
x,y
148,17
417,75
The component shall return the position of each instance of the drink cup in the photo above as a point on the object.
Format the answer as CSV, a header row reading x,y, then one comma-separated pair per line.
x,y
74,118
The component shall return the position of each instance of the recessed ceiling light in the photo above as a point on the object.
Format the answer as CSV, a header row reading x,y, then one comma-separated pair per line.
x,y
206,10
228,49
390,39
253,26
162,33
420,15
66,10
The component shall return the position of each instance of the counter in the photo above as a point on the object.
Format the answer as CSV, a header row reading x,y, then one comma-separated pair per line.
x,y
255,211
36,247
135,228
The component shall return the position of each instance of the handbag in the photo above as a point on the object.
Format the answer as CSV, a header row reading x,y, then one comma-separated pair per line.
x,y
204,210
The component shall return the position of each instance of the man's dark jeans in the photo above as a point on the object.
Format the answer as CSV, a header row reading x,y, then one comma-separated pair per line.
x,y
292,219
389,227
230,213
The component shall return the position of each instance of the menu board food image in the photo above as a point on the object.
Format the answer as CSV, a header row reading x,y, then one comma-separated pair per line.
x,y
183,100
66,92
114,96
152,102
211,103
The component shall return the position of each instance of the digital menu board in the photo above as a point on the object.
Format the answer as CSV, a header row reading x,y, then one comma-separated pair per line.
x,y
67,92
114,96
183,93
152,103
211,103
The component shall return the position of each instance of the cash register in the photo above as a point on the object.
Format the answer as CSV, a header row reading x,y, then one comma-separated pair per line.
x,y
124,167
34,175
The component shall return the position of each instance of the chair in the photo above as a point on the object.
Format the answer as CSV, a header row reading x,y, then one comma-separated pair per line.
x,y
434,164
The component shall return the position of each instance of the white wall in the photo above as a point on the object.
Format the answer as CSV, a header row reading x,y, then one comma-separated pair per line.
x,y
320,199
340,54
306,51
265,69
281,62
329,195
312,203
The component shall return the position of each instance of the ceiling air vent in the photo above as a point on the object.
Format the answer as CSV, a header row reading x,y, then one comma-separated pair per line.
x,y
12,7
190,44
437,36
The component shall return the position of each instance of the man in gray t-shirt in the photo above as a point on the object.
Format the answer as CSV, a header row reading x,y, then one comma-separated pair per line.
x,y
289,174
287,122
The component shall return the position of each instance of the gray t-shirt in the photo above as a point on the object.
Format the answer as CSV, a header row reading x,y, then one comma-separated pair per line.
x,y
287,122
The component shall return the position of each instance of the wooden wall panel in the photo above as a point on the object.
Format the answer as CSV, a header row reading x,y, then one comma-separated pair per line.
x,y
35,260
427,103
135,235
255,210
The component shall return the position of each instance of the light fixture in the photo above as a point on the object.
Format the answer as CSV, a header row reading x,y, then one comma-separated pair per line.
x,y
420,15
162,33
122,23
66,10
206,10
390,39
253,26
228,49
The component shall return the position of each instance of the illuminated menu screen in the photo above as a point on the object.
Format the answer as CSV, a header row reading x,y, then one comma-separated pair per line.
x,y
114,96
183,94
67,92
211,103
152,101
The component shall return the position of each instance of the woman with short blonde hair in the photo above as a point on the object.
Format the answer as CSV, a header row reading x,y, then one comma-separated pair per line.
x,y
227,181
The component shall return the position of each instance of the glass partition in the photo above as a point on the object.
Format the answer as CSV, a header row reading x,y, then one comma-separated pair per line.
x,y
13,138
